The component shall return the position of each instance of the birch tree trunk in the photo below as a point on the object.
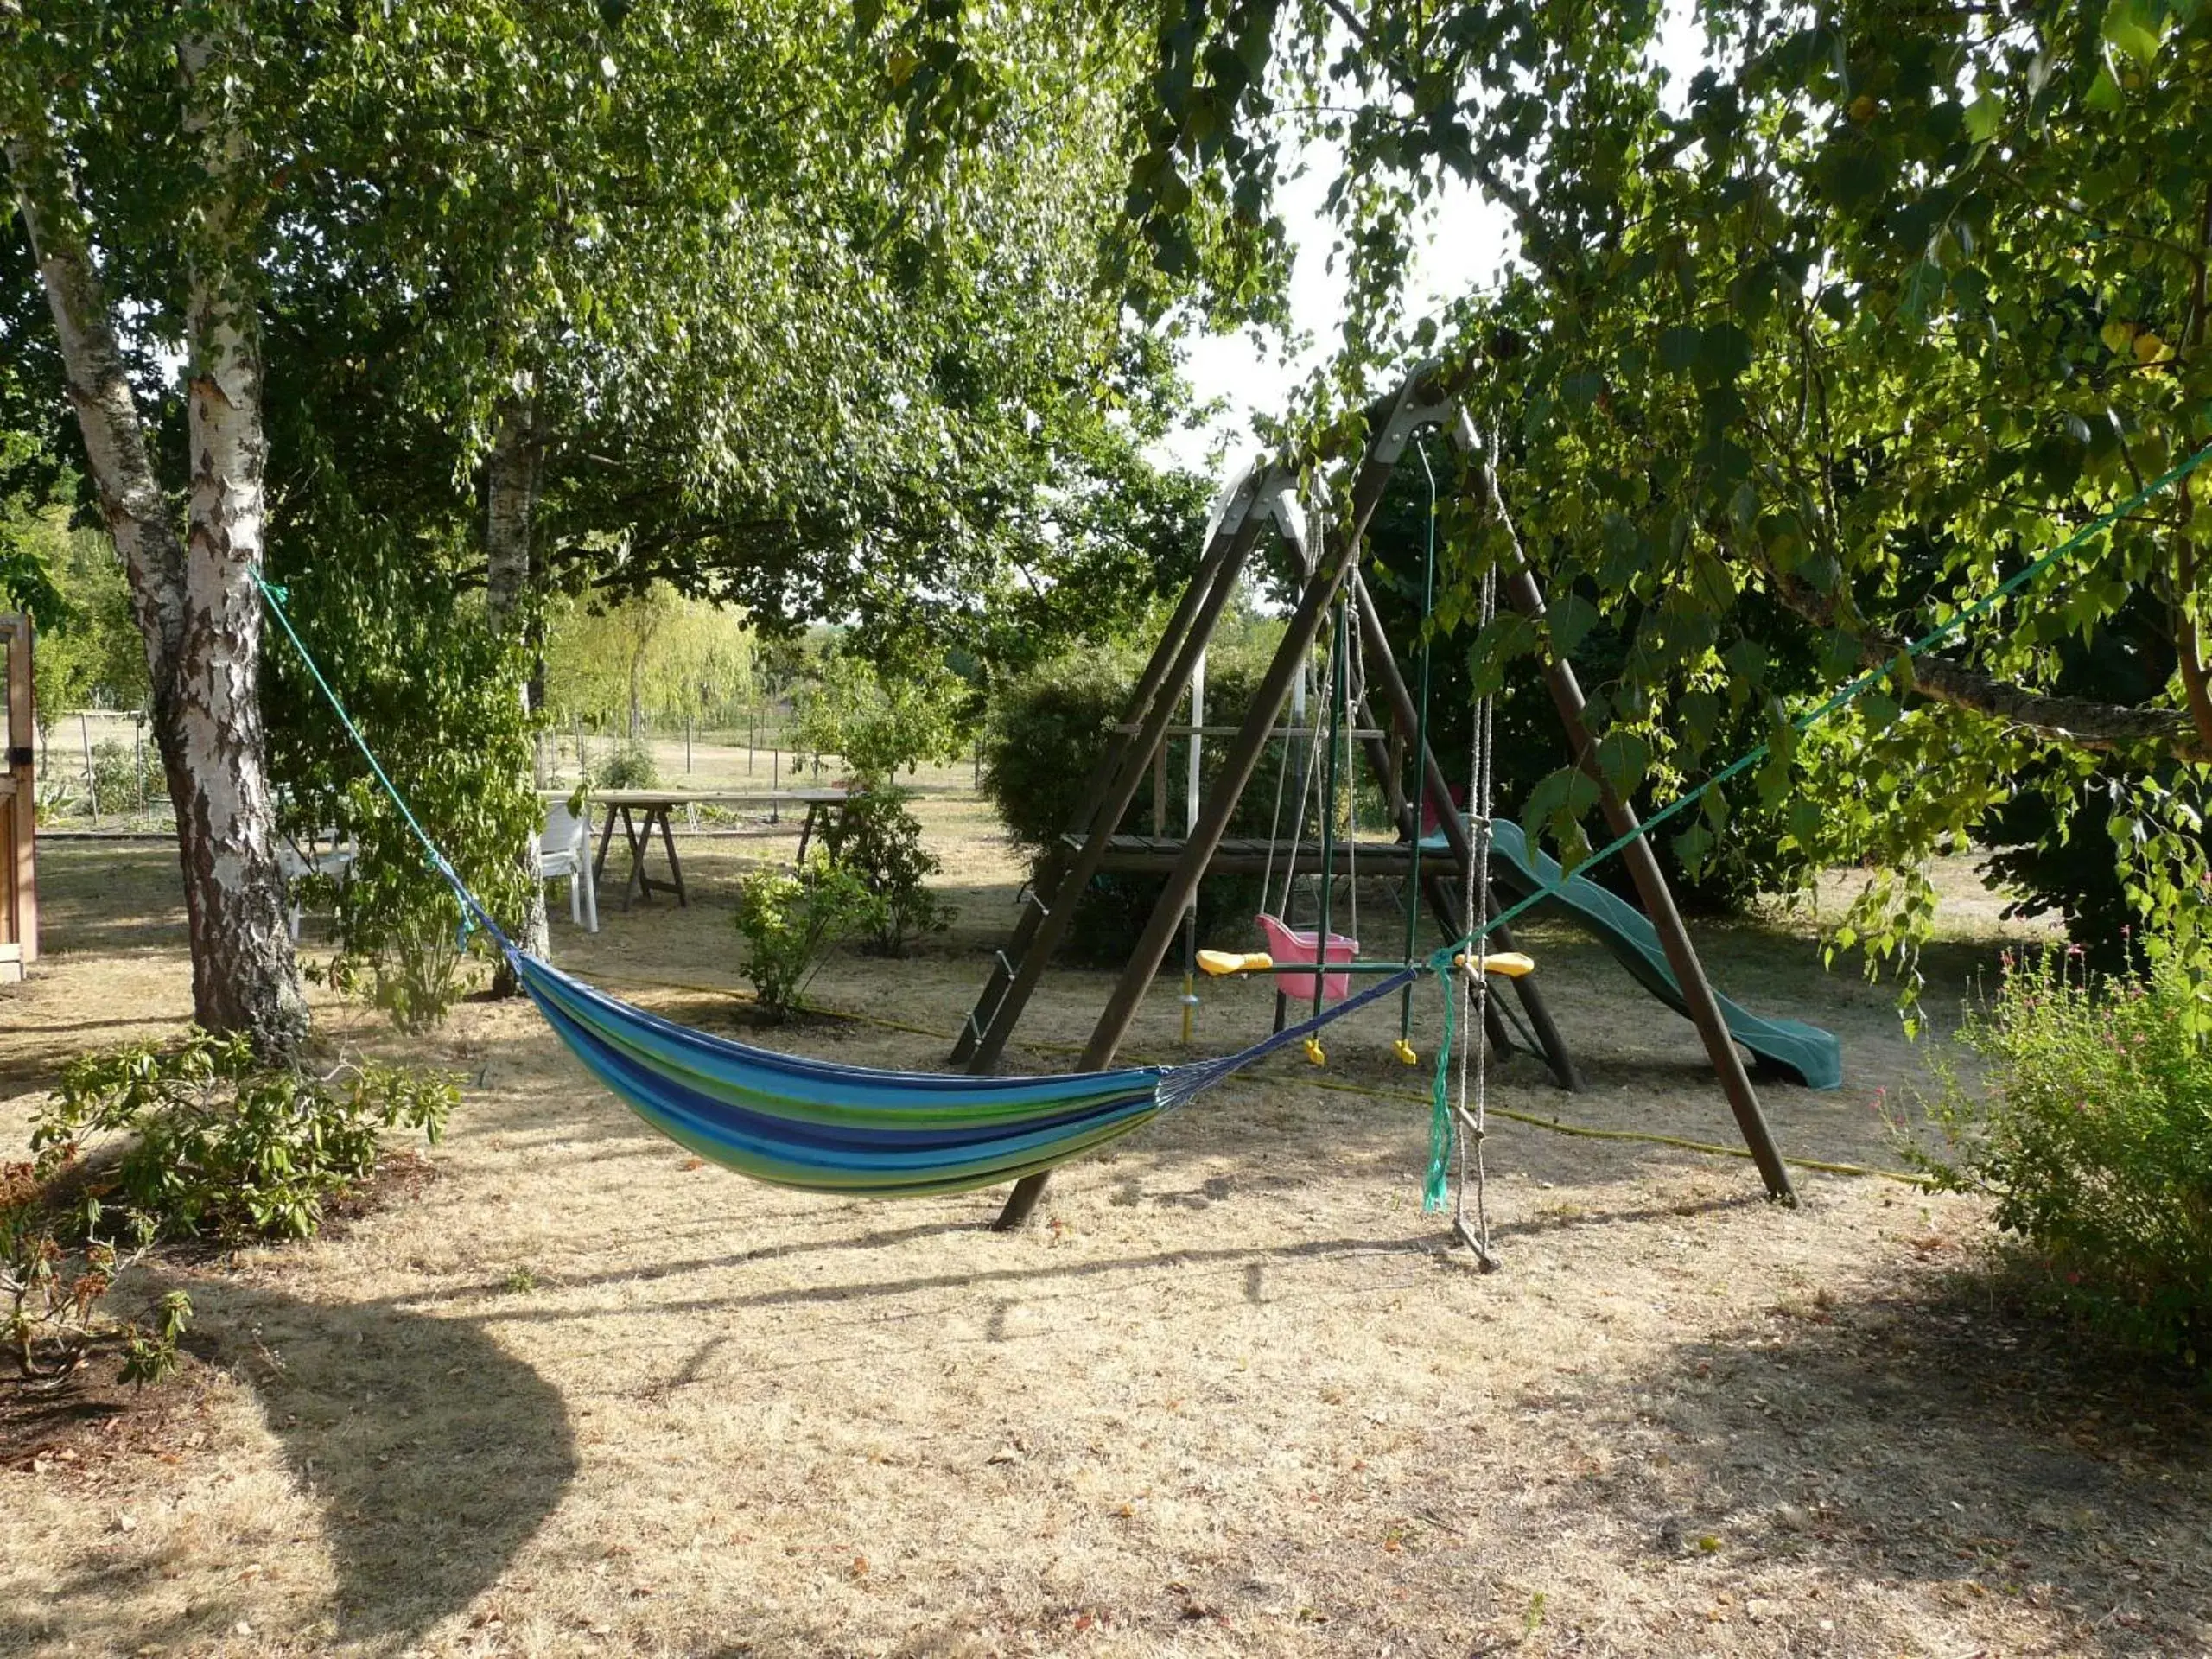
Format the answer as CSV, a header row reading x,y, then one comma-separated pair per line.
x,y
197,611
512,503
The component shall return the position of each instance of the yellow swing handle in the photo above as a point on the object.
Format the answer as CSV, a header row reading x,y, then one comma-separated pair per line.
x,y
1506,964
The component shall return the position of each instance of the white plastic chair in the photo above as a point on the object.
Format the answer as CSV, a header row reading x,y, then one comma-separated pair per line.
x,y
324,855
564,850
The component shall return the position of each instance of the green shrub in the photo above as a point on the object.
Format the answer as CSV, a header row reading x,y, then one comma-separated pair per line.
x,y
57,1273
415,966
880,841
630,765
790,920
406,644
1046,732
221,1144
2091,1130
127,778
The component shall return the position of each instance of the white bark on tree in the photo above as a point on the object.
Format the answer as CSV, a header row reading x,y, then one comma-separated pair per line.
x,y
195,602
511,503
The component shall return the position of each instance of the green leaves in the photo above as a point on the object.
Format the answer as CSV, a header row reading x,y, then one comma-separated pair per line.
x,y
2135,28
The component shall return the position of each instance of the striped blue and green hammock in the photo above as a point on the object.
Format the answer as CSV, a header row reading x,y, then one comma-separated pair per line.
x,y
820,1125
853,1130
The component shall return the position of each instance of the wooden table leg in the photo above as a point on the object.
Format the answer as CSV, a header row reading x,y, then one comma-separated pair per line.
x,y
806,830
636,884
606,836
675,864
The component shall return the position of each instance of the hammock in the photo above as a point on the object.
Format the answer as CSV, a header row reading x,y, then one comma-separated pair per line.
x,y
820,1125
853,1130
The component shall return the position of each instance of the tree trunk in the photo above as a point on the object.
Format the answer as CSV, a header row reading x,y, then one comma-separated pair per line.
x,y
198,610
210,735
511,503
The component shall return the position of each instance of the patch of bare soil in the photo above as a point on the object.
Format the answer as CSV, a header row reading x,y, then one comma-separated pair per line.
x,y
1234,1396
75,1426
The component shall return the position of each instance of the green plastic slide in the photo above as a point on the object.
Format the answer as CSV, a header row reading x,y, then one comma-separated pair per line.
x,y
1807,1053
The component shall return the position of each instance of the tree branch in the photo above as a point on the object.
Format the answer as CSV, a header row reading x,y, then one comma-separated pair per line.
x,y
2079,722
139,515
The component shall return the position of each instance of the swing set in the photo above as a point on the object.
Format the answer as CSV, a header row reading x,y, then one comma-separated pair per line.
x,y
1344,687
859,1131
1366,703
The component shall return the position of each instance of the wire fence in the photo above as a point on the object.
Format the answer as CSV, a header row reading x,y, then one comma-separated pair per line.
x,y
98,769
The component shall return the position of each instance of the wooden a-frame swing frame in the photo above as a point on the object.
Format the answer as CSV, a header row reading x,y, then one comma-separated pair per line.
x,y
1424,400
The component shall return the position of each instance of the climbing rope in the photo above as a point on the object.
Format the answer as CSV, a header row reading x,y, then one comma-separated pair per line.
x,y
1420,758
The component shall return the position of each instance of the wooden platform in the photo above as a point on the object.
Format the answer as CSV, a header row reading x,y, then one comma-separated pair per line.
x,y
1157,855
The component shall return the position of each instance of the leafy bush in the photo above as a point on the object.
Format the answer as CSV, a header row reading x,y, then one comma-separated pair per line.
x,y
790,920
57,1282
881,721
418,968
1716,874
223,1144
2092,1133
880,841
56,1273
1046,730
127,778
405,642
629,766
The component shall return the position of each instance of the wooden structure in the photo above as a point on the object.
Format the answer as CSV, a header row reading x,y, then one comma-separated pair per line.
x,y
643,813
1092,843
19,808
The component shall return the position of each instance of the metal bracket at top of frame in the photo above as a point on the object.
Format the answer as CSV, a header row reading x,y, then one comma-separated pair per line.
x,y
1407,417
1258,488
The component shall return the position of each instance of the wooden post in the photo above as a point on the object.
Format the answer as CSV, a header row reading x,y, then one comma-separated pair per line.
x,y
1522,593
19,812
92,778
1389,428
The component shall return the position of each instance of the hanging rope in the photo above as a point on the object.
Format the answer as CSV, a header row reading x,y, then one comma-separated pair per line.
x,y
1458,1120
1420,758
1313,739
1355,700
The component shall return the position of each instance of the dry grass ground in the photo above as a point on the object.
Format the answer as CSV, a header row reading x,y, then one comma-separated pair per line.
x,y
580,1394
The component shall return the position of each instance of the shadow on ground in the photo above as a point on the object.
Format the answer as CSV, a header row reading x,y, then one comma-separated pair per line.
x,y
433,1452
1929,1436
430,1453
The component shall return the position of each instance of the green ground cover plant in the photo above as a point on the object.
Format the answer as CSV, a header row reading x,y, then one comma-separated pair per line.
x,y
2091,1129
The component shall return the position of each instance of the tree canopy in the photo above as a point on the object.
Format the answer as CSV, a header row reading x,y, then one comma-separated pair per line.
x,y
1792,362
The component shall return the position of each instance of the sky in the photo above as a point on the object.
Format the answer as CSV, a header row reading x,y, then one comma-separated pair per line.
x,y
1467,240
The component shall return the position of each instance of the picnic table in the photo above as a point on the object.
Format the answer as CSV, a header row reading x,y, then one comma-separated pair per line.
x,y
643,813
